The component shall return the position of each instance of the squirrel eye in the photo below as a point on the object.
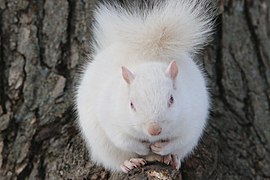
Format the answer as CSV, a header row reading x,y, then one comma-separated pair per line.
x,y
171,101
132,106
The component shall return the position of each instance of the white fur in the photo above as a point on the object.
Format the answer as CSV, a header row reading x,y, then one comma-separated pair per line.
x,y
172,26
145,41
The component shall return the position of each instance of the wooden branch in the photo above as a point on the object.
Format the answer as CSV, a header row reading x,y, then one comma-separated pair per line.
x,y
152,171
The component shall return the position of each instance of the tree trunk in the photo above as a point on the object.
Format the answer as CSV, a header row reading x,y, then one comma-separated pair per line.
x,y
41,45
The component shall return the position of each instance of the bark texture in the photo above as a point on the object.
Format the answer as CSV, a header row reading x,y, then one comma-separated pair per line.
x,y
41,45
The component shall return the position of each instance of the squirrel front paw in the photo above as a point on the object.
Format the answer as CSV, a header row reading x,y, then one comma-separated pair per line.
x,y
143,148
160,148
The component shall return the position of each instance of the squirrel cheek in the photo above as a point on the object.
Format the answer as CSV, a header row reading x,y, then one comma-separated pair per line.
x,y
154,129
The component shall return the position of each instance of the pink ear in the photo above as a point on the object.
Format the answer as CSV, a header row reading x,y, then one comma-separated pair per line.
x,y
127,75
172,70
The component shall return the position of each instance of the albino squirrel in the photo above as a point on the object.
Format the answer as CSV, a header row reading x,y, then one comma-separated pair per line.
x,y
142,97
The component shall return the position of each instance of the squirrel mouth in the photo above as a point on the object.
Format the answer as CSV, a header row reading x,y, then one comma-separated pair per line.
x,y
159,140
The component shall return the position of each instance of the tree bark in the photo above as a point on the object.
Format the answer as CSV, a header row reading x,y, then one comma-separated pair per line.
x,y
42,43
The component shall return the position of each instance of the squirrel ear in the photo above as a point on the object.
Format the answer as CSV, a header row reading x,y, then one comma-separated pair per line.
x,y
127,75
172,70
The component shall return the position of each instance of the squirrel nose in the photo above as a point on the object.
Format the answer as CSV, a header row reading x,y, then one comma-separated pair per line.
x,y
154,129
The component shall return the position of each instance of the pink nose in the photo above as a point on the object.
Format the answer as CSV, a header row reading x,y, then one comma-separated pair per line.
x,y
154,129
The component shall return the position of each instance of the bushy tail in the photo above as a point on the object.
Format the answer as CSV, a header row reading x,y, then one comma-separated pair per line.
x,y
158,28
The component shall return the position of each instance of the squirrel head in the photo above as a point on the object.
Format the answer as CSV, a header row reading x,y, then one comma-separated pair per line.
x,y
152,97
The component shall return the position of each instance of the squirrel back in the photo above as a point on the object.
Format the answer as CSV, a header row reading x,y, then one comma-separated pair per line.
x,y
157,29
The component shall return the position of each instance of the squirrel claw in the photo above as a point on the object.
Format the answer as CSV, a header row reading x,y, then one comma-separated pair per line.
x,y
175,162
132,163
167,159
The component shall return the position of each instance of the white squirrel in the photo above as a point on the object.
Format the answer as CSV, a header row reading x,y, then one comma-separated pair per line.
x,y
142,95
